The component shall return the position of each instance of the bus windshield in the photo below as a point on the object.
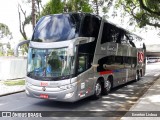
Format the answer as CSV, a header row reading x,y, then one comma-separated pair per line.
x,y
49,63
55,28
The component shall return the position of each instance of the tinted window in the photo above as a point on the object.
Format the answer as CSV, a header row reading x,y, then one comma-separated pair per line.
x,y
117,61
110,34
128,39
56,28
90,26
83,63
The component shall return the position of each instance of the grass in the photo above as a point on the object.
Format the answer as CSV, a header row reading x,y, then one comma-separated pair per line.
x,y
14,82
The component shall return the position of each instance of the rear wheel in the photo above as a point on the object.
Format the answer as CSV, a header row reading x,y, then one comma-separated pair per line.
x,y
98,90
137,76
141,73
107,87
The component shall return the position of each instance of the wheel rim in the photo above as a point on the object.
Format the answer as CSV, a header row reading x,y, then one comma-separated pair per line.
x,y
98,89
136,77
108,85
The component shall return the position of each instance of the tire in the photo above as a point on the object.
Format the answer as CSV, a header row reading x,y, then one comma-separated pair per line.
x,y
98,90
137,76
141,73
107,87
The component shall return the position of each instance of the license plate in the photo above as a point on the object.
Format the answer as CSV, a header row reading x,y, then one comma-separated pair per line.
x,y
45,96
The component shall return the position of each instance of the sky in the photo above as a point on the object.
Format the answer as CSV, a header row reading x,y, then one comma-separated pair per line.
x,y
9,16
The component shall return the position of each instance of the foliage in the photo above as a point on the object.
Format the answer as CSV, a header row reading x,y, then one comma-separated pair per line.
x,y
24,48
145,12
78,6
97,5
22,24
27,19
58,6
1,53
8,45
4,30
10,52
52,7
14,82
53,61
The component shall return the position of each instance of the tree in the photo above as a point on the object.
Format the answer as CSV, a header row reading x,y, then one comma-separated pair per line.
x,y
25,19
101,5
145,12
78,6
52,7
4,31
96,5
58,6
22,24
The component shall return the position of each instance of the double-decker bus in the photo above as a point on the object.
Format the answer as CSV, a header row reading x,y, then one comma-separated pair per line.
x,y
75,55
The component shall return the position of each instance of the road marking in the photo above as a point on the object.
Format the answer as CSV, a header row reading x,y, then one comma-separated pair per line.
x,y
156,74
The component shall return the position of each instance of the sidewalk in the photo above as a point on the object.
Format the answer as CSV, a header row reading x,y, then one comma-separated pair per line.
x,y
148,106
6,90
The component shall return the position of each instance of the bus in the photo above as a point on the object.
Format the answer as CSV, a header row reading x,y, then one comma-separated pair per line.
x,y
72,56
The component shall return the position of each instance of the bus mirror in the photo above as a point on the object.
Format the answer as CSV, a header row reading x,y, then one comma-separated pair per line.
x,y
95,65
84,40
18,45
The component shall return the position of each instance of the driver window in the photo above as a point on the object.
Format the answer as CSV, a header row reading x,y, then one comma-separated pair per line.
x,y
82,66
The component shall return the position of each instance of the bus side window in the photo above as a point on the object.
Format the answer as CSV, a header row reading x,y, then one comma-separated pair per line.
x,y
108,60
90,27
134,62
110,34
127,61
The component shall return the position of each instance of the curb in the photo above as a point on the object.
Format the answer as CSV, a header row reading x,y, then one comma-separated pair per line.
x,y
10,93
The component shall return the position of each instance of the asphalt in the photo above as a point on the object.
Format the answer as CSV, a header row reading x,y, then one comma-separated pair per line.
x,y
148,106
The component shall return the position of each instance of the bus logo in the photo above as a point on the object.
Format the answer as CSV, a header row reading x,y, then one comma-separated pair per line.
x,y
43,88
140,56
44,84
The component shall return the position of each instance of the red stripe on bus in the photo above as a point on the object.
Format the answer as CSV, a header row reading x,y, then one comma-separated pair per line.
x,y
106,72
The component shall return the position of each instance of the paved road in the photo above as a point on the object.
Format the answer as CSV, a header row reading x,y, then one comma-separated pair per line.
x,y
120,99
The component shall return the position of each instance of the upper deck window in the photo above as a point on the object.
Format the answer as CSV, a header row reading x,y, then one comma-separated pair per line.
x,y
55,28
110,34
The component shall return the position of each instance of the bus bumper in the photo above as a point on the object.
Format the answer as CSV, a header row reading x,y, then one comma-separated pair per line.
x,y
68,95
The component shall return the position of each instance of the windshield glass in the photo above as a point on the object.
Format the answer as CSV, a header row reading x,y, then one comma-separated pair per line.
x,y
49,63
56,28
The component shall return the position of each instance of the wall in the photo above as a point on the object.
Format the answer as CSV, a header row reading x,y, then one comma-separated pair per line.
x,y
12,68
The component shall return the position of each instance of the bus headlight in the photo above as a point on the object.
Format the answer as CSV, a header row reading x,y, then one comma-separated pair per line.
x,y
66,86
68,95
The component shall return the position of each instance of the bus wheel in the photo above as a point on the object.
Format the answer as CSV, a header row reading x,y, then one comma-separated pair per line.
x,y
141,73
137,76
107,87
98,90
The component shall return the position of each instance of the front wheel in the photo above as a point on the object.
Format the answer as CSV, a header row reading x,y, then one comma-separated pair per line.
x,y
98,90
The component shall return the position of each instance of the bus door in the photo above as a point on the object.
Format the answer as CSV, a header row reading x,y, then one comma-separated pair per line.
x,y
85,75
